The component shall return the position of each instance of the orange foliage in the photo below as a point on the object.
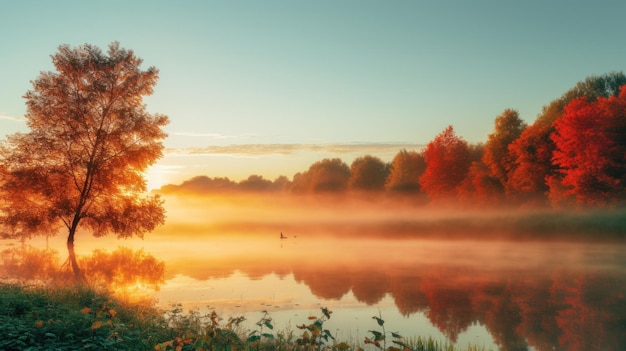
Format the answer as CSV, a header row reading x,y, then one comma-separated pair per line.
x,y
532,153
90,141
447,164
406,169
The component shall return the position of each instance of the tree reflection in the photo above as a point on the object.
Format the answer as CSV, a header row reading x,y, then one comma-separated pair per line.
x,y
119,269
522,308
123,268
28,263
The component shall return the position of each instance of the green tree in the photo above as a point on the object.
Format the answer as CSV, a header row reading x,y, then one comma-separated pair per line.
x,y
91,139
368,173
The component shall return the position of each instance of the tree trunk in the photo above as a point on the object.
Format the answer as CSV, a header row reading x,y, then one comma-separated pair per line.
x,y
78,274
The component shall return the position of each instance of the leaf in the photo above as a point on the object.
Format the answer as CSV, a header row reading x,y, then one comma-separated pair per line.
x,y
377,334
253,338
326,312
268,323
163,345
267,335
301,326
379,320
400,343
396,335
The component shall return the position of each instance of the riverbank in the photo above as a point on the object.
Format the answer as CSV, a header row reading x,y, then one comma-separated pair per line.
x,y
82,318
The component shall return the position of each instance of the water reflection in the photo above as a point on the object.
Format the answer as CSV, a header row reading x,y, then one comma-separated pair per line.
x,y
563,296
118,270
552,295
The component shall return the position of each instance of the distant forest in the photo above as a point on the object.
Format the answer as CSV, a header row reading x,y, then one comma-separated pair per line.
x,y
574,154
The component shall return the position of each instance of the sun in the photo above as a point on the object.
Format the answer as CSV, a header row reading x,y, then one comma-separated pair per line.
x,y
155,177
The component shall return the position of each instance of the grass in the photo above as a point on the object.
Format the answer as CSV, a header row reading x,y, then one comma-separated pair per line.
x,y
81,318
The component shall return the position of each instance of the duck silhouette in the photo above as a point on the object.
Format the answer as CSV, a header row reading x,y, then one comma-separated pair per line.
x,y
282,236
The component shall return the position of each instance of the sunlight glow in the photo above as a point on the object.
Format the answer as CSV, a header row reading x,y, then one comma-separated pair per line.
x,y
157,176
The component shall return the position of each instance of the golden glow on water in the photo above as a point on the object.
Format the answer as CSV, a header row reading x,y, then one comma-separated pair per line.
x,y
359,258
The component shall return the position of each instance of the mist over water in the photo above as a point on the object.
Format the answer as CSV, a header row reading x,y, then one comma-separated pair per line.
x,y
503,279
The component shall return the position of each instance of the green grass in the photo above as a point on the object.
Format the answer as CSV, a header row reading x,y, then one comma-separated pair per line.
x,y
81,318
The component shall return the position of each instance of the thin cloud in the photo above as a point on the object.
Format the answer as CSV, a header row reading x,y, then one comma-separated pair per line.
x,y
290,149
210,135
11,118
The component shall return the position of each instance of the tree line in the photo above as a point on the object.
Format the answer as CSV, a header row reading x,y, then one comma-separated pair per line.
x,y
91,139
574,154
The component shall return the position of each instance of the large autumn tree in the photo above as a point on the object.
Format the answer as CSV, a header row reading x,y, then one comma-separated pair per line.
x,y
447,164
532,151
91,140
591,152
507,128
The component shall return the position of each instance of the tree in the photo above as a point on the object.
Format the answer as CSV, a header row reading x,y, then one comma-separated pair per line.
x,y
532,151
406,169
590,151
90,142
329,175
480,188
281,183
508,127
367,173
447,164
301,183
255,183
477,151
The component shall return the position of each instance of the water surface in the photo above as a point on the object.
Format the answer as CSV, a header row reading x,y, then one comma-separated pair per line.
x,y
488,290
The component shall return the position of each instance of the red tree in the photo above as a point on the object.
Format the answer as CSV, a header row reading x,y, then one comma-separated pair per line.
x,y
591,152
447,163
480,188
532,153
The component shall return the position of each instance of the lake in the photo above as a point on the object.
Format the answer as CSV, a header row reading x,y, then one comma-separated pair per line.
x,y
479,278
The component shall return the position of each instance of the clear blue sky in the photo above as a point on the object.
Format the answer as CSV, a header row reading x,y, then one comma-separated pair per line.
x,y
269,87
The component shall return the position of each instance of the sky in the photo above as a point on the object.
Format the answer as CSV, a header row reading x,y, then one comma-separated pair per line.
x,y
270,87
